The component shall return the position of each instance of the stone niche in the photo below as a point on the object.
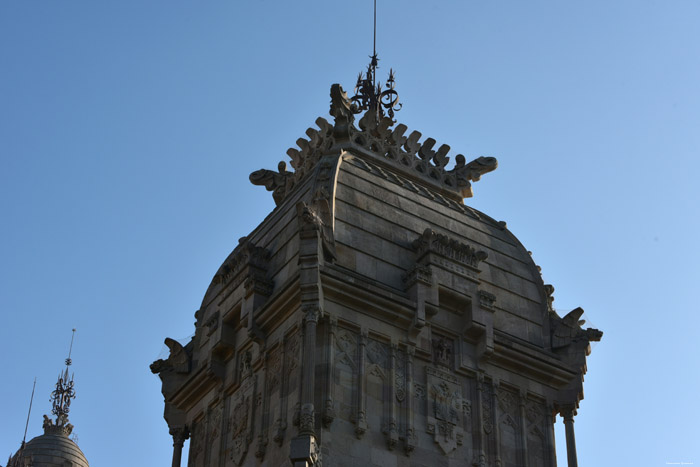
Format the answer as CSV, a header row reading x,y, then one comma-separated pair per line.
x,y
375,319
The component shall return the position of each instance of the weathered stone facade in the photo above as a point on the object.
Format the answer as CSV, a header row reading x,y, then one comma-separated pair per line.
x,y
374,319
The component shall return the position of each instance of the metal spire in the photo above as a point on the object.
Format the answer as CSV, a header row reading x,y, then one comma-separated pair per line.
x,y
64,393
369,94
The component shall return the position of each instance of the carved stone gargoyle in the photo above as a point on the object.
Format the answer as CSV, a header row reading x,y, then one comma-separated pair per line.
x,y
568,330
276,182
178,361
471,172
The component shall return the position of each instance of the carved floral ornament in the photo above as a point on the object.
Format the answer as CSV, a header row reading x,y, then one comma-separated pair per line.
x,y
384,141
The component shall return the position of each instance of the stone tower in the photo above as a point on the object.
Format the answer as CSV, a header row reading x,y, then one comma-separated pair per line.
x,y
374,319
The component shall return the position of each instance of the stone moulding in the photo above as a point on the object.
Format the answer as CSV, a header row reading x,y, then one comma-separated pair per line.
x,y
379,139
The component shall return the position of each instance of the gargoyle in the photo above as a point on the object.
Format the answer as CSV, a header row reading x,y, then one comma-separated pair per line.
x,y
178,360
568,329
276,182
472,172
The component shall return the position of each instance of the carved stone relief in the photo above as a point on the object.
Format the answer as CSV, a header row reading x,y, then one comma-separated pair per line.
x,y
400,377
536,433
376,359
275,365
509,426
238,424
444,409
442,352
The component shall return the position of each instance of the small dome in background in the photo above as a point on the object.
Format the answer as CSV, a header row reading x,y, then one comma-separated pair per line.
x,y
54,448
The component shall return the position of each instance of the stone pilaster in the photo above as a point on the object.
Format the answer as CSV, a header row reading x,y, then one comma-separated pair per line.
x,y
264,412
497,422
361,417
482,428
523,429
306,421
390,430
328,406
410,428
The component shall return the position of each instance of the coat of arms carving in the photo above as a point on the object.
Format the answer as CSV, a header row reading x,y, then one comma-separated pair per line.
x,y
444,410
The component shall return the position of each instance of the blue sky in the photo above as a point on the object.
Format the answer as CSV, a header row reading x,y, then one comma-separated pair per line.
x,y
128,130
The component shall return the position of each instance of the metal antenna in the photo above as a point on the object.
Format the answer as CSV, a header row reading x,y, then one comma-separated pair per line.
x,y
374,47
70,350
29,413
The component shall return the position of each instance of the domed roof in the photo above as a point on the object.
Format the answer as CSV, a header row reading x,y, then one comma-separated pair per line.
x,y
53,449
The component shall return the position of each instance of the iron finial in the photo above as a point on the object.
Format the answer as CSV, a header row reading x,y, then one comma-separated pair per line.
x,y
64,393
368,93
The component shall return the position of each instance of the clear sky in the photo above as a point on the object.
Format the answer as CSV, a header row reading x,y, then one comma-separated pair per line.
x,y
128,130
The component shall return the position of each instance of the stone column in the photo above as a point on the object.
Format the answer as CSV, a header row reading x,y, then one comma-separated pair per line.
x,y
567,414
179,434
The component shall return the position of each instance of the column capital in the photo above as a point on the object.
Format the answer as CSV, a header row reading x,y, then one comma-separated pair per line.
x,y
179,434
568,412
312,312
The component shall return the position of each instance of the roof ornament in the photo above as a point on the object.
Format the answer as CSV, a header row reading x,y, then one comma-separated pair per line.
x,y
369,94
63,394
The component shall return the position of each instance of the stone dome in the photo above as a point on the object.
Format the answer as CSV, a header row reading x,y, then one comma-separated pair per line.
x,y
53,448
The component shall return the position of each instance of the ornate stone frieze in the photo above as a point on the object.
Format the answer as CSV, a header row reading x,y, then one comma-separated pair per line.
x,y
389,145
442,245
